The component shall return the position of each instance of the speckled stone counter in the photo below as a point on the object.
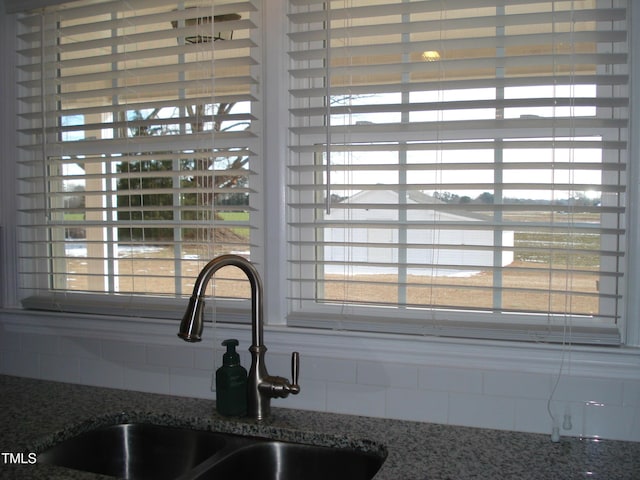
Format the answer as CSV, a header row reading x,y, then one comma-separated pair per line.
x,y
36,414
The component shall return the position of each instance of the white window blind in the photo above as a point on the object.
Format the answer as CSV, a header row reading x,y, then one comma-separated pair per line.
x,y
458,167
140,139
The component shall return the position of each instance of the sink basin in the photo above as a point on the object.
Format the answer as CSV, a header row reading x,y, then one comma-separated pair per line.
x,y
271,460
135,451
146,451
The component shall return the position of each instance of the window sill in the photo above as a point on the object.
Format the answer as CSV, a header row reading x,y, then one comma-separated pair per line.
x,y
611,362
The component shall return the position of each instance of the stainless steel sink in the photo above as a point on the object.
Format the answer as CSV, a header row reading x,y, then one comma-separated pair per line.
x,y
135,451
146,451
292,461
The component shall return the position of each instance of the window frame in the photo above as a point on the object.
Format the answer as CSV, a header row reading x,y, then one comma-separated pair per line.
x,y
439,321
275,141
232,309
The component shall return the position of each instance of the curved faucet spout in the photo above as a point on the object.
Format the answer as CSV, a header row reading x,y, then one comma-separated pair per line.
x,y
261,386
193,320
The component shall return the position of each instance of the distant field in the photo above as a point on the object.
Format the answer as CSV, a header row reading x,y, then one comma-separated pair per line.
x,y
236,217
551,246
226,216
543,261
545,247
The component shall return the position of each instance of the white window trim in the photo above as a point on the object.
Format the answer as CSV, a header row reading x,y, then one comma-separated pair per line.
x,y
358,345
275,146
613,363
630,328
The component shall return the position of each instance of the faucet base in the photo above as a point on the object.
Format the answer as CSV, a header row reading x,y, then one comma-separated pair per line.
x,y
258,404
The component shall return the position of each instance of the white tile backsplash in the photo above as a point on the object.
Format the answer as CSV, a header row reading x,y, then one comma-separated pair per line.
x,y
387,375
80,347
420,405
147,378
327,369
423,390
62,368
101,373
517,385
178,356
204,358
451,379
485,411
586,389
20,363
607,421
124,352
39,343
631,394
9,341
531,415
197,382
356,399
313,396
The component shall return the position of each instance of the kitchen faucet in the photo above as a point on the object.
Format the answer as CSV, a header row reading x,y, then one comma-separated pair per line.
x,y
261,387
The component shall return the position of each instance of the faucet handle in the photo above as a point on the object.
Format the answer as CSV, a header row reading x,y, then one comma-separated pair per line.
x,y
280,387
295,372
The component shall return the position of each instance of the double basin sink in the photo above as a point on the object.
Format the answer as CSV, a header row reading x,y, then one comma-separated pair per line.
x,y
149,451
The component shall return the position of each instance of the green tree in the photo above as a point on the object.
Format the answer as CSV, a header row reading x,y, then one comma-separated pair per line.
x,y
143,196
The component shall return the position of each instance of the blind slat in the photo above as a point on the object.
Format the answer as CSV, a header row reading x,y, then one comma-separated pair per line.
x,y
455,84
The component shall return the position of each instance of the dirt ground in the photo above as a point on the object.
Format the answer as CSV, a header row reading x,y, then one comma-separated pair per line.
x,y
521,290
522,287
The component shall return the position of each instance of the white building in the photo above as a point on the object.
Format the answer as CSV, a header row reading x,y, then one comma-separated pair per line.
x,y
373,235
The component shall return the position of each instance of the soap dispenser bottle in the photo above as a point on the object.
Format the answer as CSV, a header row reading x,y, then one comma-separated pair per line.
x,y
231,383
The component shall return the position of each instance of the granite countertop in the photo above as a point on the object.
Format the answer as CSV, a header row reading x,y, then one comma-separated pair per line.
x,y
36,414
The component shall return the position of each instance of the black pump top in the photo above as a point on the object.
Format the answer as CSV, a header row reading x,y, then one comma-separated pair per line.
x,y
231,357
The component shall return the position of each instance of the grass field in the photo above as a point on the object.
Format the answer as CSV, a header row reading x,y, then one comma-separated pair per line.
x,y
236,217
